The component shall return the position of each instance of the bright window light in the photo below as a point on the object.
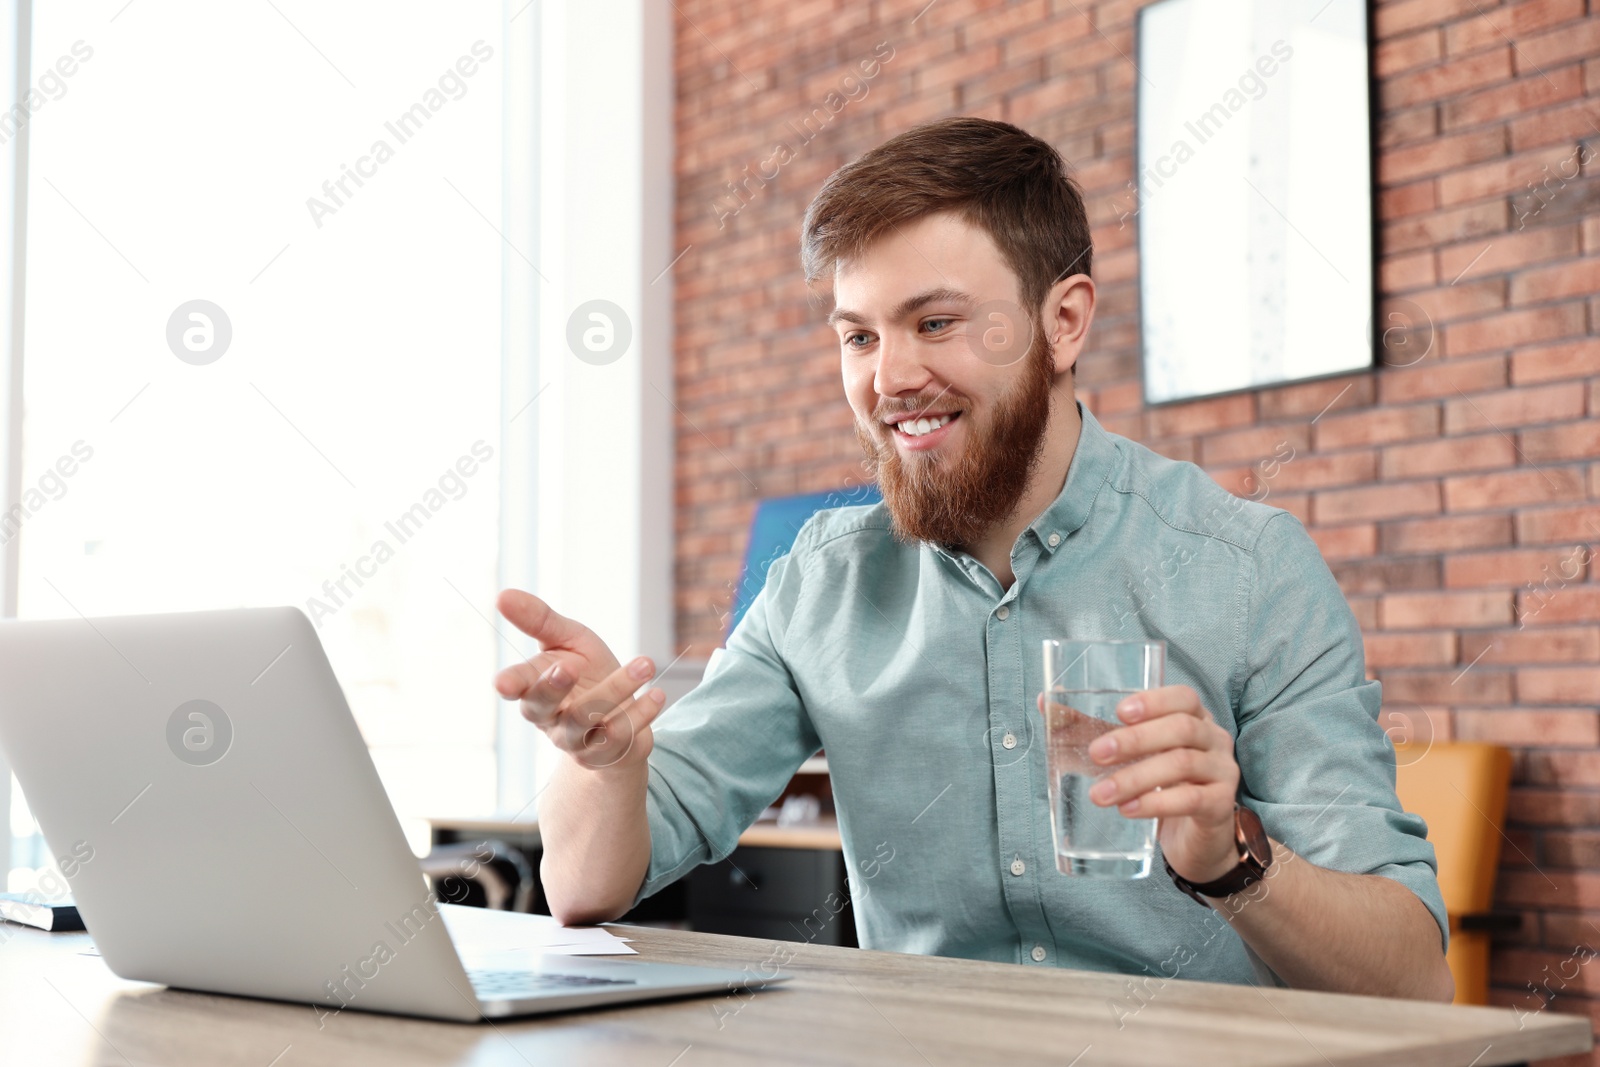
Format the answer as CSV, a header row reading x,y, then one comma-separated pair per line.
x,y
327,181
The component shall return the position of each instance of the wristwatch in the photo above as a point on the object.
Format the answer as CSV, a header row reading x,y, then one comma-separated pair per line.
x,y
1255,856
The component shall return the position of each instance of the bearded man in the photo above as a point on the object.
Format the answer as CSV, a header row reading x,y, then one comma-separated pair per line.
x,y
904,639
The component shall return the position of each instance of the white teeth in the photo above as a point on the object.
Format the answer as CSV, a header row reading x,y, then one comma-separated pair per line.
x,y
918,427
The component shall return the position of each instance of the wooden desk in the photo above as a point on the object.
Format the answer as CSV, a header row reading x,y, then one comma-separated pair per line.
x,y
844,1006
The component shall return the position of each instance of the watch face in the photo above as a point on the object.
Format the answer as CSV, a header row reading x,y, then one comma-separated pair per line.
x,y
1253,836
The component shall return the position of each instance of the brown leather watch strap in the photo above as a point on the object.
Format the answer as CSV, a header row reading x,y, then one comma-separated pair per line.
x,y
1250,838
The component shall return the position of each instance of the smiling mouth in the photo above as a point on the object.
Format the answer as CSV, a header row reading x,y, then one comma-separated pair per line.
x,y
922,431
918,427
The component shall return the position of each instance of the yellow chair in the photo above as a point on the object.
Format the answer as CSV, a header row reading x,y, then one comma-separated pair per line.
x,y
1459,788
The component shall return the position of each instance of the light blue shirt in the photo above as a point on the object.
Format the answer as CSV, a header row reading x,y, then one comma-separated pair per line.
x,y
917,673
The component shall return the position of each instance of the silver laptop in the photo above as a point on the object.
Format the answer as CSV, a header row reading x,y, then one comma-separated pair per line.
x,y
205,789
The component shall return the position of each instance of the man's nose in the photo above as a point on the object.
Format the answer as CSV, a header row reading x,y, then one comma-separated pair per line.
x,y
899,372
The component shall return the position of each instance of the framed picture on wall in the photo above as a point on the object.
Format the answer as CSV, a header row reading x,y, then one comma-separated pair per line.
x,y
1254,193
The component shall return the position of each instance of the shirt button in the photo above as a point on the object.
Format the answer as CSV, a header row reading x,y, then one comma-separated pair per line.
x,y
1017,868
1038,953
1055,539
1009,740
1003,614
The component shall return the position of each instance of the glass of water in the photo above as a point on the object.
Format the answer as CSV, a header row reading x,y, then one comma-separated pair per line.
x,y
1084,681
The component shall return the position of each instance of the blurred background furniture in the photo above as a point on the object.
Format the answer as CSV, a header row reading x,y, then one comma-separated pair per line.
x,y
1459,788
482,874
774,527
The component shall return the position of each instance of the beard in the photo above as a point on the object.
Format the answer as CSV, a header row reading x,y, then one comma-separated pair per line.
x,y
954,500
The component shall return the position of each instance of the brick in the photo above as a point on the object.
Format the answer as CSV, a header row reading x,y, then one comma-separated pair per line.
x,y
1052,96
1548,49
1345,542
1559,685
1464,299
1557,126
1575,729
1508,251
1576,849
1547,525
1426,611
1004,21
1403,200
1047,36
1579,277
1570,644
1512,328
1513,22
1316,398
1446,534
1510,568
1423,649
1376,426
1439,154
1514,98
1407,127
1253,445
1334,506
1560,768
1453,687
1393,19
1498,177
1182,449
1551,807
1202,416
1414,270
1447,79
1480,492
1488,451
1431,379
1308,471
1544,363
1513,407
1359,576
1573,603
1398,54
1481,220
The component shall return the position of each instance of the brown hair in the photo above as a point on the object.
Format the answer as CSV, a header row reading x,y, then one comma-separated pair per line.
x,y
1002,179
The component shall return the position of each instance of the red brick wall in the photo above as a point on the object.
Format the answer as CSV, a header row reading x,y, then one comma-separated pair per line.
x,y
1449,496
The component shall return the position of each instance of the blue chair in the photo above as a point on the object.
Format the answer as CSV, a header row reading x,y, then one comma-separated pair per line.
x,y
772,532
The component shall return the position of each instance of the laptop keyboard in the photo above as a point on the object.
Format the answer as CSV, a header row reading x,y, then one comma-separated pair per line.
x,y
510,985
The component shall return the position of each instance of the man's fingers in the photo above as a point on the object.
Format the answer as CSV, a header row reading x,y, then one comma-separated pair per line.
x,y
517,680
585,710
541,703
537,619
1164,771
618,686
1167,700
624,732
1158,735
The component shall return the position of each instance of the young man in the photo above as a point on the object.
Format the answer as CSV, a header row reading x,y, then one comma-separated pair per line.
x,y
904,639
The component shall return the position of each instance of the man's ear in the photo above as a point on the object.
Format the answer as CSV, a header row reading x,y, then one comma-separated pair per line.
x,y
1068,310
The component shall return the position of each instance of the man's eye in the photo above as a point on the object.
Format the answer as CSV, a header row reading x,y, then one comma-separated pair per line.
x,y
851,340
935,325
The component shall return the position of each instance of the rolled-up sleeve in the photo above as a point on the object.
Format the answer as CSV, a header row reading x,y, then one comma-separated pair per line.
x,y
727,749
1315,764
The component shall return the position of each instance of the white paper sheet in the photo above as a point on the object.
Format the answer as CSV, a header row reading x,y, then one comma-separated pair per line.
x,y
478,931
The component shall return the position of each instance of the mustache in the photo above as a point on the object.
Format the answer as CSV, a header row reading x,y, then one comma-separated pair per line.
x,y
917,406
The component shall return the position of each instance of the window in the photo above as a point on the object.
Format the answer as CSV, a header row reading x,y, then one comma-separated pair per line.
x,y
263,348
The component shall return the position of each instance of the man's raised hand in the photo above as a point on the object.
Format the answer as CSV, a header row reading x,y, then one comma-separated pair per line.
x,y
575,690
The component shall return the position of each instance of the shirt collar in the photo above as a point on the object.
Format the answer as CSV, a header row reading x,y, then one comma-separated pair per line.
x,y
1092,462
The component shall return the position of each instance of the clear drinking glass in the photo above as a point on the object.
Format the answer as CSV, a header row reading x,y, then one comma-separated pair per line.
x,y
1084,681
